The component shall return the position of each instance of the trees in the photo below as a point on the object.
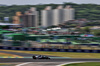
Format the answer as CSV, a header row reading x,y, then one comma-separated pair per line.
x,y
96,33
92,23
87,30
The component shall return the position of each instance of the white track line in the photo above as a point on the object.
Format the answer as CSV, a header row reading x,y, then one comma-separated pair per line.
x,y
23,64
56,65
69,63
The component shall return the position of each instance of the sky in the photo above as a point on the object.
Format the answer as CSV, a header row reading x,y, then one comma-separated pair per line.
x,y
34,2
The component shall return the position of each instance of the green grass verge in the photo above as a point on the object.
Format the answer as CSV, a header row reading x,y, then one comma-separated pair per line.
x,y
84,64
61,54
5,64
8,55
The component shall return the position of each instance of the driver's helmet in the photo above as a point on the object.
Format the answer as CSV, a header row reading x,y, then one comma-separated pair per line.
x,y
39,55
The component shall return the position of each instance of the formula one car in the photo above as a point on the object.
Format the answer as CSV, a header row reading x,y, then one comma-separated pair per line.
x,y
40,57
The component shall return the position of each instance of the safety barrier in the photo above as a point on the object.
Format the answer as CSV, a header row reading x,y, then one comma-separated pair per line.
x,y
49,49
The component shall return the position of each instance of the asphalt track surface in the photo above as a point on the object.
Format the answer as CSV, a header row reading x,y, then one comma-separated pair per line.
x,y
41,62
44,60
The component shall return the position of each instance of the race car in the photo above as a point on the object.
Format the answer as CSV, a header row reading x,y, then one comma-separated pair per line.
x,y
40,57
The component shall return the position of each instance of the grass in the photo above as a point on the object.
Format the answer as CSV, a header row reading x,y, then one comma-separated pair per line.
x,y
61,54
7,64
84,64
8,55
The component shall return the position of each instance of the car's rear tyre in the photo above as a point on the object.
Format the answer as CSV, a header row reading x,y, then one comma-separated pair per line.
x,y
48,58
34,57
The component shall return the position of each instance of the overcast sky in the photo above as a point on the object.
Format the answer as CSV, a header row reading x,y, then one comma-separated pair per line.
x,y
32,2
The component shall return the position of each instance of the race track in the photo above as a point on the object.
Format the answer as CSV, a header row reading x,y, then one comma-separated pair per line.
x,y
42,62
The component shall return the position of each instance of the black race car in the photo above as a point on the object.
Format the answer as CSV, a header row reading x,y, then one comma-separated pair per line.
x,y
40,57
